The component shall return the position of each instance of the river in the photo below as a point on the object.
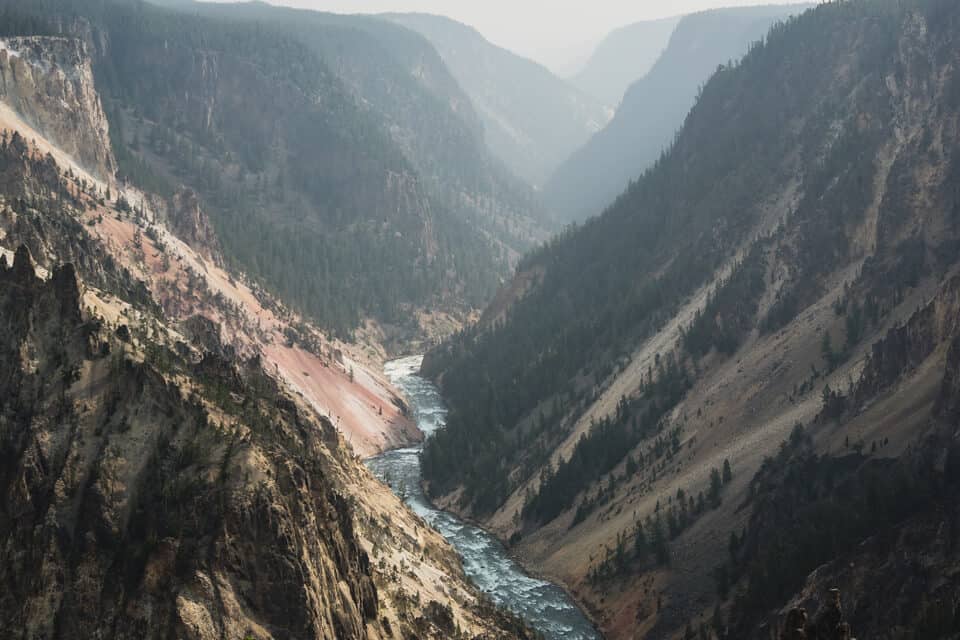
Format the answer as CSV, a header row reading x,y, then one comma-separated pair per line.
x,y
545,606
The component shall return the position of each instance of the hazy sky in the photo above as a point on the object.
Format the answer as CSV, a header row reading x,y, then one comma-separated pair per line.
x,y
553,32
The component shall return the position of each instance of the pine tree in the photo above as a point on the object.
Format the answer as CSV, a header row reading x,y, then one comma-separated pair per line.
x,y
716,484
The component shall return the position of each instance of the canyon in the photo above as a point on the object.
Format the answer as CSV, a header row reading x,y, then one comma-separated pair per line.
x,y
724,393
172,462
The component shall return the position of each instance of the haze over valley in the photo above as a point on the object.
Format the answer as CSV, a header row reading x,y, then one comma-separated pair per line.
x,y
409,319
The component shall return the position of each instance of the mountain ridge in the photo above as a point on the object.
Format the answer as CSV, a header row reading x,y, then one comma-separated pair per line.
x,y
532,119
654,108
398,74
625,55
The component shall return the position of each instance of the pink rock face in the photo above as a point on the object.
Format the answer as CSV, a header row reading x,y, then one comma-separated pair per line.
x,y
363,409
362,405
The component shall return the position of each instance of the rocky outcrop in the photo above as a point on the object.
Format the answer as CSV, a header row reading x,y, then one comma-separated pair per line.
x,y
38,206
905,583
189,222
22,171
49,82
31,305
905,347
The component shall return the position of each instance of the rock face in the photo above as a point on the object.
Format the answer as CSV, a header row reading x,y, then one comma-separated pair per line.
x,y
189,222
144,494
128,506
906,347
49,81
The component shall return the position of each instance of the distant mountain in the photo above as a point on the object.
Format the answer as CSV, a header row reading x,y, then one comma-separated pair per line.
x,y
622,58
533,120
653,108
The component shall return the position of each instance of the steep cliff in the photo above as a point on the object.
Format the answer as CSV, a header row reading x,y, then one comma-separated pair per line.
x,y
532,119
49,82
128,506
189,222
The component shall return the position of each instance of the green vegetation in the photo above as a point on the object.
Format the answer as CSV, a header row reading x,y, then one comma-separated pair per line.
x,y
608,443
809,509
600,295
648,543
730,310
16,23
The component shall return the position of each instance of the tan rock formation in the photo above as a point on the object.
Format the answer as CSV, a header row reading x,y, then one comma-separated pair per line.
x,y
49,82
